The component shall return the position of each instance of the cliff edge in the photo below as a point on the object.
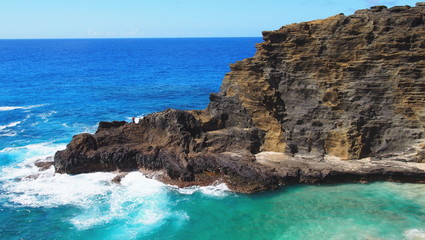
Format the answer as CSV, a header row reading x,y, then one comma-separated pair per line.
x,y
335,100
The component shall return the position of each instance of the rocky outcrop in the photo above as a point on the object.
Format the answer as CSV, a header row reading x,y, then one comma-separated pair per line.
x,y
332,100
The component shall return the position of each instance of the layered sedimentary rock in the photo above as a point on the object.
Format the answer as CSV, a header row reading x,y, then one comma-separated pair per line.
x,y
338,99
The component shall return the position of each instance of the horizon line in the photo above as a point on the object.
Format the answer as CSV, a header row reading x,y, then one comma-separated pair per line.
x,y
106,38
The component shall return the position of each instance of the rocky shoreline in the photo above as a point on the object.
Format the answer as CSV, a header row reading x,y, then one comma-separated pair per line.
x,y
335,100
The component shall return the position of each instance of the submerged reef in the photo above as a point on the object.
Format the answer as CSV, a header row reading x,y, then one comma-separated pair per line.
x,y
340,99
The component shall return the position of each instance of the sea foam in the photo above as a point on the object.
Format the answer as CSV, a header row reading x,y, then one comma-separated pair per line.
x,y
99,199
10,108
5,130
37,150
13,124
45,116
143,203
414,234
8,129
214,190
9,133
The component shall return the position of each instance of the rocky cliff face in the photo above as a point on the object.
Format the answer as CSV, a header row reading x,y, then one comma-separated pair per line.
x,y
351,86
320,95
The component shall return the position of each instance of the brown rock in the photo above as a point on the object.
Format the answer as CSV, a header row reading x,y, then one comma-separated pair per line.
x,y
44,164
117,179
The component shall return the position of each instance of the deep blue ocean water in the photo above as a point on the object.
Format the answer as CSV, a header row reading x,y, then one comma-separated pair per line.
x,y
51,90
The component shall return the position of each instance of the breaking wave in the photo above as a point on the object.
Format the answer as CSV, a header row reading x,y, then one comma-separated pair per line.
x,y
215,190
414,234
10,108
141,202
13,124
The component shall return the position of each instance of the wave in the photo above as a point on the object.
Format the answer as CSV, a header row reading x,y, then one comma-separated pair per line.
x,y
100,200
45,116
10,108
35,150
10,125
8,133
414,234
135,182
215,190
143,203
5,132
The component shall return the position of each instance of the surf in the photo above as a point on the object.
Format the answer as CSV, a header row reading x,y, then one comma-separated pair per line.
x,y
11,108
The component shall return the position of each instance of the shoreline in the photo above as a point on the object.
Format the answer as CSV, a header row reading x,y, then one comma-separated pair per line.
x,y
341,99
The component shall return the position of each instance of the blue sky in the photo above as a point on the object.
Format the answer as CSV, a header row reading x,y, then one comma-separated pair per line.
x,y
164,18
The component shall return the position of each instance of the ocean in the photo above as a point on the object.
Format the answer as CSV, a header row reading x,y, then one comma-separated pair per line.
x,y
51,90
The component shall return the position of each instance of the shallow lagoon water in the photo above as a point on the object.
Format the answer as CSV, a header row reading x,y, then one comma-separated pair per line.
x,y
53,89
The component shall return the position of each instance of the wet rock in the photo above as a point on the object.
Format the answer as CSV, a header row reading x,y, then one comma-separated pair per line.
x,y
117,179
42,166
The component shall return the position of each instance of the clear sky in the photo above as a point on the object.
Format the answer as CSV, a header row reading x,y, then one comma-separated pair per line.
x,y
164,18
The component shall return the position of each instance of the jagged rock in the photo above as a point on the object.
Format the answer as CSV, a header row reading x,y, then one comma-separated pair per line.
x,y
44,164
117,179
319,94
107,125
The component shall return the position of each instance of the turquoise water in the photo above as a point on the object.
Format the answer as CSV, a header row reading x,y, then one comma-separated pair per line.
x,y
53,89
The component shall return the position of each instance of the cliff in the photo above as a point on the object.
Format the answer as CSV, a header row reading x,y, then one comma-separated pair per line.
x,y
332,100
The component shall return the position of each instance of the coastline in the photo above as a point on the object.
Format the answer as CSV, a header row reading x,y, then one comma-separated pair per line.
x,y
333,115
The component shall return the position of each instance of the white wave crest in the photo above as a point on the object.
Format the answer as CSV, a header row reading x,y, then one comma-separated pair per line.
x,y
37,150
82,128
10,133
47,189
13,124
45,116
215,190
143,198
414,234
142,202
10,108
6,131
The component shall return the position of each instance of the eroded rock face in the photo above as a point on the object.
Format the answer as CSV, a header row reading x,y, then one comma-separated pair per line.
x,y
351,86
186,150
346,87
